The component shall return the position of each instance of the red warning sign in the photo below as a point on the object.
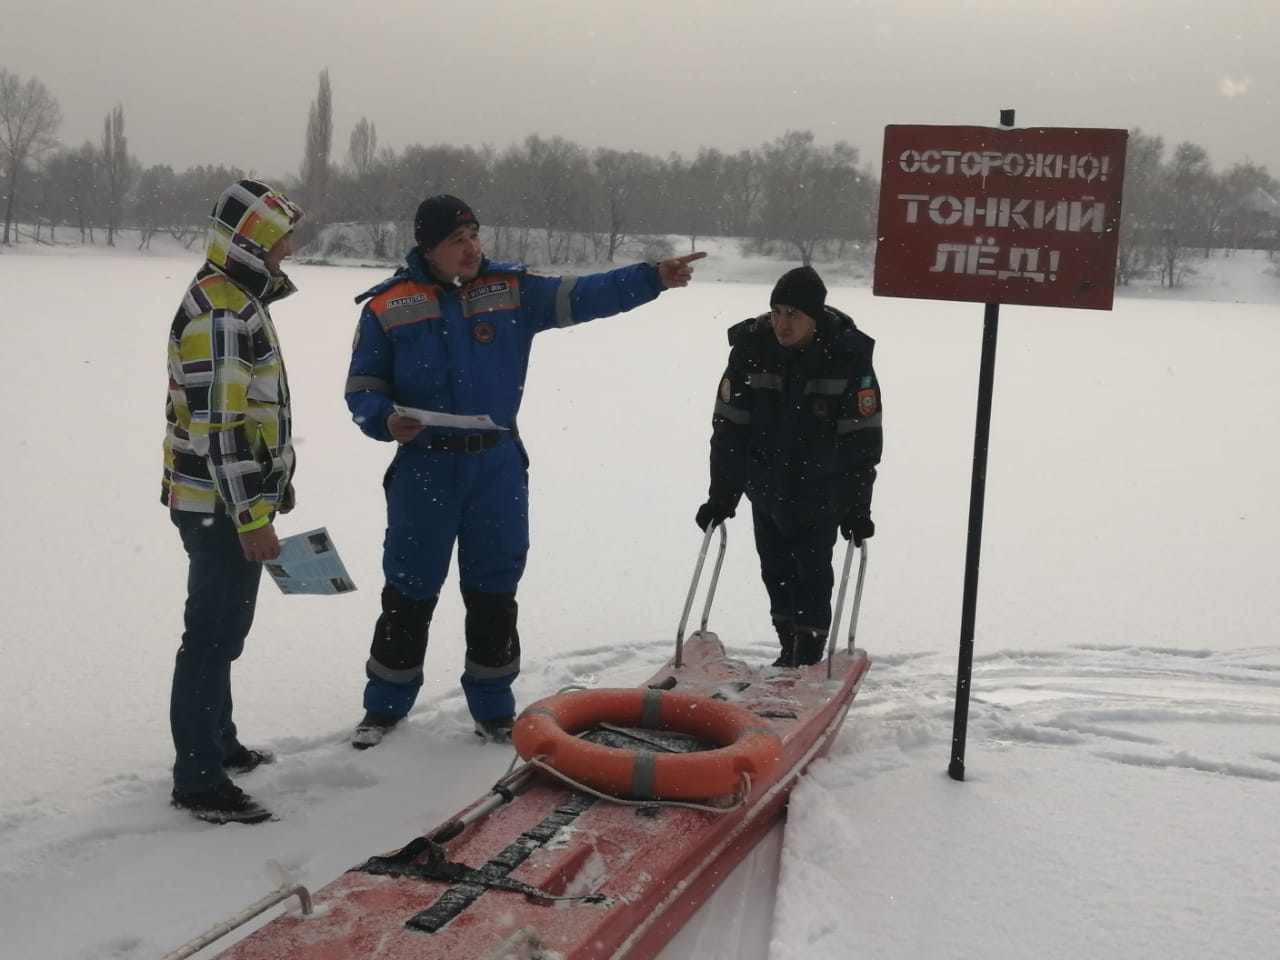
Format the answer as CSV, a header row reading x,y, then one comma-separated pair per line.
x,y
997,215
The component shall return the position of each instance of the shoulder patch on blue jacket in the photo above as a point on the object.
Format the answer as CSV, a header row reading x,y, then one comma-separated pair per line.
x,y
382,285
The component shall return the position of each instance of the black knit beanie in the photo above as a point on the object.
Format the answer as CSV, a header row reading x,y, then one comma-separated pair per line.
x,y
803,289
438,217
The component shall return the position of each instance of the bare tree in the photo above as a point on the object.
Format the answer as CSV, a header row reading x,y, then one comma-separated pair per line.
x,y
319,146
622,181
117,171
1249,204
197,190
29,121
157,202
362,152
743,184
812,194
1142,213
552,199
1188,180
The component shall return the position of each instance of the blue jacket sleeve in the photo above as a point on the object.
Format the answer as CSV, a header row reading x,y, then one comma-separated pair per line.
x,y
564,301
369,388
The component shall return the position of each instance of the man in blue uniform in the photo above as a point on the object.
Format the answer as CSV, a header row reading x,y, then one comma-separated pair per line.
x,y
796,427
438,367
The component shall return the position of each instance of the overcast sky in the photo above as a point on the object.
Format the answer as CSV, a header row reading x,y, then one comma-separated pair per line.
x,y
232,82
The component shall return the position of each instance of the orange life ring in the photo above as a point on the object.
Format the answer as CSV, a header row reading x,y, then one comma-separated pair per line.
x,y
547,730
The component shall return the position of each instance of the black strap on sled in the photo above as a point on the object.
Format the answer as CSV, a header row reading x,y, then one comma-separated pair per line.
x,y
440,868
466,883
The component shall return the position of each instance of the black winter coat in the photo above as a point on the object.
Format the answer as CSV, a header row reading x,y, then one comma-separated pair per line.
x,y
798,429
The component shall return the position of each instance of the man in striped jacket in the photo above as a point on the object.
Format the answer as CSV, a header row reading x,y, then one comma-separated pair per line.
x,y
796,428
228,469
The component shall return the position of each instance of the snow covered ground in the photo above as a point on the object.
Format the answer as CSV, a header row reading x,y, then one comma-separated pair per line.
x,y
1123,763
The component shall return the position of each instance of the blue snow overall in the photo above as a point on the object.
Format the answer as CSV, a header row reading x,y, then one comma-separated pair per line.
x,y
460,350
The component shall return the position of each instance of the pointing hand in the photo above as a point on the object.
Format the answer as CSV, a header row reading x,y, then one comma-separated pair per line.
x,y
676,271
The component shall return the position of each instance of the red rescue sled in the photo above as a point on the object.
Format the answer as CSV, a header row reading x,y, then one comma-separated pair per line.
x,y
605,841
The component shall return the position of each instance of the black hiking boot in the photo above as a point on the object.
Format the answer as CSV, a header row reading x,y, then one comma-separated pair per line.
x,y
788,641
810,648
243,760
495,731
372,729
224,803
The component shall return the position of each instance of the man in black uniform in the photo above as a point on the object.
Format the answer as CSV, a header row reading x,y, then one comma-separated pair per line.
x,y
797,429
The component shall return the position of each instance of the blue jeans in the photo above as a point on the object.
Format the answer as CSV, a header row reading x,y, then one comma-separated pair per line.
x,y
222,592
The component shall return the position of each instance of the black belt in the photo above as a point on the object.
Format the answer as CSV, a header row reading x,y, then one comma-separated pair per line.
x,y
466,442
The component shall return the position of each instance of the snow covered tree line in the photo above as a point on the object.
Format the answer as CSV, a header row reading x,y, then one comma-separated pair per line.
x,y
1176,207
552,201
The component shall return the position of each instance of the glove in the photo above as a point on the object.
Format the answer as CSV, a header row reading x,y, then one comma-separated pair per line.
x,y
857,528
712,514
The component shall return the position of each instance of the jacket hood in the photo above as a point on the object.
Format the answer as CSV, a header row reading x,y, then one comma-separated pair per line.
x,y
247,221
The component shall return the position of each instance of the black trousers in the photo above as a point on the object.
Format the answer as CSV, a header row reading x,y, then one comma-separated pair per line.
x,y
795,565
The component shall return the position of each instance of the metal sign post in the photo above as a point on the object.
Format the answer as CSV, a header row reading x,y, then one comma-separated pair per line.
x,y
997,215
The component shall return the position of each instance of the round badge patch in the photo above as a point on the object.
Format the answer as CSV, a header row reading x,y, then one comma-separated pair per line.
x,y
726,390
484,332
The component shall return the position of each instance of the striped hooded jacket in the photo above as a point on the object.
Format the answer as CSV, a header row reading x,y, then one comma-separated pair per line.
x,y
228,442
798,430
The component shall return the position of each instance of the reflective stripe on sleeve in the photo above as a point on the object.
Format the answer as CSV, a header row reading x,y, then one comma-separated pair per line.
x,y
764,381
851,426
564,309
732,413
826,386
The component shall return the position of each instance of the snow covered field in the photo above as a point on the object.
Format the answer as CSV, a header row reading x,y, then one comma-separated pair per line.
x,y
1123,762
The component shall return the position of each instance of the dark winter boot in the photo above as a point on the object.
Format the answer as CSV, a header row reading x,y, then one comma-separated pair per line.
x,y
497,730
372,729
811,647
244,759
786,637
222,803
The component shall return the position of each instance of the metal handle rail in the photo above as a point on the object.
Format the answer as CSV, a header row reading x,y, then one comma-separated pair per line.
x,y
244,916
857,601
503,792
693,587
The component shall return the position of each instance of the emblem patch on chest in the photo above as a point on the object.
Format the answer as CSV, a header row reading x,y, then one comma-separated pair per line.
x,y
488,290
484,332
866,403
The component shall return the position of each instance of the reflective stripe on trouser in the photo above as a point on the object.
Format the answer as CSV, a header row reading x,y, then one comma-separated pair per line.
x,y
395,657
796,569
493,654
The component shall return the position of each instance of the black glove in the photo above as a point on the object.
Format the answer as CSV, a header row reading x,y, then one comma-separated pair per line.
x,y
857,528
712,514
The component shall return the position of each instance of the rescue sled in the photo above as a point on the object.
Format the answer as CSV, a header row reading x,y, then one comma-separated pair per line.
x,y
630,807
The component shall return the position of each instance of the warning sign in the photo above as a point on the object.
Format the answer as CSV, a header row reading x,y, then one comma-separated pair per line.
x,y
996,215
